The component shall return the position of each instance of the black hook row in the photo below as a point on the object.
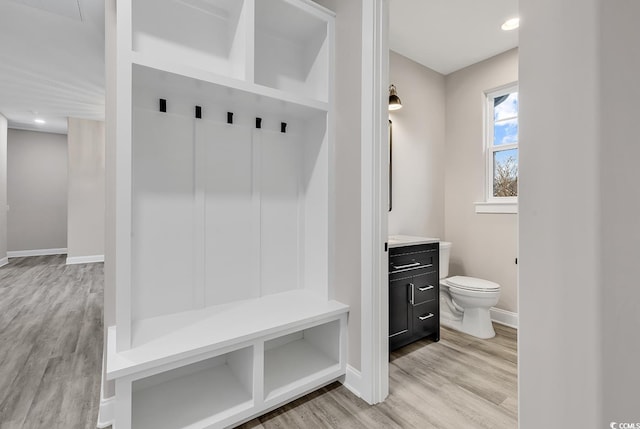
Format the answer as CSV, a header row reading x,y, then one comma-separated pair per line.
x,y
198,115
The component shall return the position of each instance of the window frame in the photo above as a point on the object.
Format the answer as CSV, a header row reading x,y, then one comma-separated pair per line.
x,y
493,204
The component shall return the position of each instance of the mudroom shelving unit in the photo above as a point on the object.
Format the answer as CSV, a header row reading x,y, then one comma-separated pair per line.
x,y
223,218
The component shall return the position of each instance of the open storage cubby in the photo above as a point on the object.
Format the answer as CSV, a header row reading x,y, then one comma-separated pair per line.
x,y
295,359
291,48
211,35
199,394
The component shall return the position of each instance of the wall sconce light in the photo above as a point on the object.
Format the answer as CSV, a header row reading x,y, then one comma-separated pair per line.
x,y
394,100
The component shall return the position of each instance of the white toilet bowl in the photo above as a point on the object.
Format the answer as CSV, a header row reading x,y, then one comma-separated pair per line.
x,y
465,301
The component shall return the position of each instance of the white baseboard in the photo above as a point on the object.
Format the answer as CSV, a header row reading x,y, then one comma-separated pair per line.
x,y
36,252
353,381
107,410
504,317
4,261
71,260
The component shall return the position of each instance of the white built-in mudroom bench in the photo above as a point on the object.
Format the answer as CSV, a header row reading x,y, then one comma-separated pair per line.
x,y
224,179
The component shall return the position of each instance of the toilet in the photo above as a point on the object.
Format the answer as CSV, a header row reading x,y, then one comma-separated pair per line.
x,y
465,301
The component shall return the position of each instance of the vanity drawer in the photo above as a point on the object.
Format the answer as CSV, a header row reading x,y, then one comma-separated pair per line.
x,y
413,257
425,287
425,318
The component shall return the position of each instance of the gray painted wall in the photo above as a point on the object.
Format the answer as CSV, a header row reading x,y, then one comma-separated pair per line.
x,y
620,252
418,149
484,245
561,220
3,188
36,190
86,192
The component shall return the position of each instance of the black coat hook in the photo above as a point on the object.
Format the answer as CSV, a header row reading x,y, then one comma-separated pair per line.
x,y
258,122
163,105
229,117
198,112
283,127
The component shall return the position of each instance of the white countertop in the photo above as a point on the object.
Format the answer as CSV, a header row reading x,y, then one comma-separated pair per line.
x,y
408,240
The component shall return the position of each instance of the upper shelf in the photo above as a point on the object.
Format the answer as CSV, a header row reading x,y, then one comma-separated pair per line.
x,y
278,47
291,49
207,34
165,339
165,78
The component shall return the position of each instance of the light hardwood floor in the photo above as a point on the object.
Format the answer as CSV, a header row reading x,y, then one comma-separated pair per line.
x,y
459,382
51,351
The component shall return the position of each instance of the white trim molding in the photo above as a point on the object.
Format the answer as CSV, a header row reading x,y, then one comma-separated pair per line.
x,y
106,413
4,261
36,252
497,207
90,259
353,381
504,317
374,289
107,410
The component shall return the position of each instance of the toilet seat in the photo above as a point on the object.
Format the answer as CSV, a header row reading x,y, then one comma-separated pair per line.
x,y
472,284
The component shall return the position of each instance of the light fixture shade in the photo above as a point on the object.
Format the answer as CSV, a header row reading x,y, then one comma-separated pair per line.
x,y
394,100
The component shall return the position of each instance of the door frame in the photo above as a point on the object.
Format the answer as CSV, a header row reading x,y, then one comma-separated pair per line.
x,y
374,201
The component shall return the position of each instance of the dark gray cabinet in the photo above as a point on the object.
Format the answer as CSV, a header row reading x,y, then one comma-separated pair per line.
x,y
414,305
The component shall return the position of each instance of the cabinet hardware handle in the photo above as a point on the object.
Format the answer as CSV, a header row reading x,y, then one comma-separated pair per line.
x,y
422,289
412,299
428,316
402,267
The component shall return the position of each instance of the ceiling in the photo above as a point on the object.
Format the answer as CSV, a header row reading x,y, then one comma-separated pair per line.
x,y
448,35
52,54
51,62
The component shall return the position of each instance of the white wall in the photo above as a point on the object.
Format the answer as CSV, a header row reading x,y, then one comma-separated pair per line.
x,y
108,387
3,190
561,255
620,252
484,245
36,190
347,165
86,192
418,149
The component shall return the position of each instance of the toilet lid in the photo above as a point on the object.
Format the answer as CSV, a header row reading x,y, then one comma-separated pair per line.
x,y
472,283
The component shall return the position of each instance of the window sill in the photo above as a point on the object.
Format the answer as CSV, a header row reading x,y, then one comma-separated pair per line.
x,y
497,207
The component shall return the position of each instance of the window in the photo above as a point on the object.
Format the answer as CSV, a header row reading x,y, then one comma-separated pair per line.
x,y
501,149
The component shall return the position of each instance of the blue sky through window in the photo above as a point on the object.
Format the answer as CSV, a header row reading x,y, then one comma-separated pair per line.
x,y
505,132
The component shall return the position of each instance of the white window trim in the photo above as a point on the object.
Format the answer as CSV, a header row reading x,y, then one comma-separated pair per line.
x,y
493,204
495,207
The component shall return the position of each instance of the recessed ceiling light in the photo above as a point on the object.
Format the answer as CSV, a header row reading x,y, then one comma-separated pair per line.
x,y
511,24
39,121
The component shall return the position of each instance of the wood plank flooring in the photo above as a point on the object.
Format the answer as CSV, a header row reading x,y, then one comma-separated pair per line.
x,y
51,352
459,382
50,343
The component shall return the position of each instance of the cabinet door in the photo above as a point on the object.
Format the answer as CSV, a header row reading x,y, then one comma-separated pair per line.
x,y
399,323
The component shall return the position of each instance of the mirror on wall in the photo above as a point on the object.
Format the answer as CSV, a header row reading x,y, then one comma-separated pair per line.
x,y
390,164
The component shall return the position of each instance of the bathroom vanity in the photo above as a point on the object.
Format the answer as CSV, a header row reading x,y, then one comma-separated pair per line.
x,y
414,305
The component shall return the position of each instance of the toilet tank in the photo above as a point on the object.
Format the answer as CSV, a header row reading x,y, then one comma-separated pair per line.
x,y
445,252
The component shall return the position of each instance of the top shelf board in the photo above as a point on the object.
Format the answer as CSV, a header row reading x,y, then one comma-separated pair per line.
x,y
154,78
